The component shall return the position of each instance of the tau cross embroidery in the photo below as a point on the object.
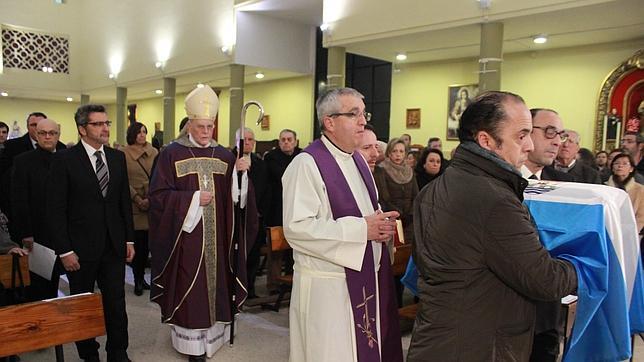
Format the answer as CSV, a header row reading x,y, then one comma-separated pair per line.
x,y
366,320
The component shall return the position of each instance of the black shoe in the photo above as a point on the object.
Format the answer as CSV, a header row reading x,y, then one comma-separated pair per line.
x,y
201,358
138,287
146,286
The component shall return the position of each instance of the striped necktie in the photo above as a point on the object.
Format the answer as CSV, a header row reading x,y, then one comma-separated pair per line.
x,y
101,173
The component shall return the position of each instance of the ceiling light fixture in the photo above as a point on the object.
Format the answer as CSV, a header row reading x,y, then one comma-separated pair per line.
x,y
112,75
158,64
200,85
47,69
401,57
4,94
227,49
259,75
158,91
324,27
540,39
69,99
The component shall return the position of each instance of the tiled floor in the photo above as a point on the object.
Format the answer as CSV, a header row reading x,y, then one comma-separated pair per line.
x,y
261,336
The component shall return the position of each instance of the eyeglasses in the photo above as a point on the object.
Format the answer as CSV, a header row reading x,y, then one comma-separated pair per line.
x,y
551,132
100,124
48,133
353,115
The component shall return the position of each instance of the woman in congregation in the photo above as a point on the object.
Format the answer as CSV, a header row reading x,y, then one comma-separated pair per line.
x,y
397,185
429,166
623,168
139,155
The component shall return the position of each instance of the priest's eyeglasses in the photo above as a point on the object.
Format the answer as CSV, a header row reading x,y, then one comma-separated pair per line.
x,y
100,124
48,133
551,132
353,115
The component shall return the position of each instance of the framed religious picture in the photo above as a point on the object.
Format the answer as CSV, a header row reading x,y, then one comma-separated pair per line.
x,y
412,119
266,122
459,97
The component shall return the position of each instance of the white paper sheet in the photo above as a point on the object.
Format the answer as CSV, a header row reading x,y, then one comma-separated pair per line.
x,y
41,260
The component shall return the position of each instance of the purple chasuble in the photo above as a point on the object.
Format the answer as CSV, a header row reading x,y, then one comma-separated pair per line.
x,y
362,284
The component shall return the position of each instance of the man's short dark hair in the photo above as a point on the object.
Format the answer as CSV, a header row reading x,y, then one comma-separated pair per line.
x,y
485,113
82,113
433,139
133,131
638,137
288,130
36,114
4,125
183,123
534,111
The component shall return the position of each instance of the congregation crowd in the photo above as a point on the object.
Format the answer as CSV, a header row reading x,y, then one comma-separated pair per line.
x,y
171,208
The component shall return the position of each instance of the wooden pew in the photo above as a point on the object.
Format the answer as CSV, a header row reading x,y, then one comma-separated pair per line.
x,y
277,241
31,326
6,262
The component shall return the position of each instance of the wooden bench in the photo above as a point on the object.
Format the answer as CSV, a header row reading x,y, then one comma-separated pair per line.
x,y
275,238
31,326
6,263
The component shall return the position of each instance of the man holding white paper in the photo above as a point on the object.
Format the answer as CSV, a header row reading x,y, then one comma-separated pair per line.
x,y
28,210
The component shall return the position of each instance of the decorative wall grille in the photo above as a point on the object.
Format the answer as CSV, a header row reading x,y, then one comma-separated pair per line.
x,y
27,49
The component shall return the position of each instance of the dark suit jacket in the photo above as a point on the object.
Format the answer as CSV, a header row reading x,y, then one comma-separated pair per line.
x,y
13,148
585,174
28,181
549,173
79,217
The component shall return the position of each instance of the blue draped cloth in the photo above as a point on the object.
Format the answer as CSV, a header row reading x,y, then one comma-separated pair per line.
x,y
593,227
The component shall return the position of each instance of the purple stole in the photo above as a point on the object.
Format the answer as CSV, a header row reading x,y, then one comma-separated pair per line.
x,y
362,284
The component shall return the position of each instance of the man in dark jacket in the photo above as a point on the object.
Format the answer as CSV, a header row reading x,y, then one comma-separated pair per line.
x,y
567,161
276,162
478,253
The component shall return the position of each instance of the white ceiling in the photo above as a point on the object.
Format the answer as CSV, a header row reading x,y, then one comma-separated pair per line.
x,y
427,30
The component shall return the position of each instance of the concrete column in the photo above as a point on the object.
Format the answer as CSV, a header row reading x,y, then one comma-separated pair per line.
x,y
121,114
236,100
336,65
169,93
84,99
490,57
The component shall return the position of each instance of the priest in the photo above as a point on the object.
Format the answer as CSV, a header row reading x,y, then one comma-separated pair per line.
x,y
343,306
191,229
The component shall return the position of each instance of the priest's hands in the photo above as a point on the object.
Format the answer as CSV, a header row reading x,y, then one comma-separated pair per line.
x,y
205,197
381,226
70,262
242,164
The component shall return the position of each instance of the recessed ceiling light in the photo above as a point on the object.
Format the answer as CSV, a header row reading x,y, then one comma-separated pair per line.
x,y
158,64
200,85
158,91
401,56
112,76
259,75
540,39
324,27
4,94
69,99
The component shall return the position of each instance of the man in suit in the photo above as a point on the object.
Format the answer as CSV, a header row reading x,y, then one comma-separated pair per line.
x,y
28,182
547,136
567,161
90,218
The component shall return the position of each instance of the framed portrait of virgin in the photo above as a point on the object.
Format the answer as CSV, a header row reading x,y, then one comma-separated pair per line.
x,y
459,97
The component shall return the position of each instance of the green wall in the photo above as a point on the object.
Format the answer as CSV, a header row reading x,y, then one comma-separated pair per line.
x,y
17,109
567,80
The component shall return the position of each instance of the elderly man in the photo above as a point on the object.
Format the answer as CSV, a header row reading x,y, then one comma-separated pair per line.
x,y
567,161
547,136
369,146
191,224
28,195
277,160
342,303
481,264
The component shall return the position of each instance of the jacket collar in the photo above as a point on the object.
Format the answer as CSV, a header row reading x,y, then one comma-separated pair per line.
x,y
469,155
136,152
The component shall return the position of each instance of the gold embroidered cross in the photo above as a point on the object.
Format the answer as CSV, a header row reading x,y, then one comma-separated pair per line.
x,y
366,320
